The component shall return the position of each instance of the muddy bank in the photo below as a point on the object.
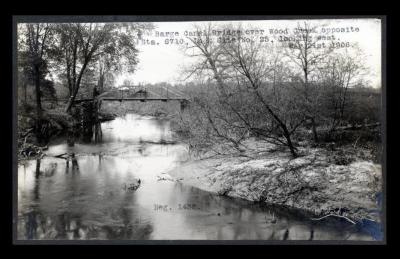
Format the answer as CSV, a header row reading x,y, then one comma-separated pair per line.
x,y
319,181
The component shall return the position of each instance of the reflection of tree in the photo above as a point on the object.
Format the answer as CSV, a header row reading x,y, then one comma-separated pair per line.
x,y
74,162
75,166
127,214
62,224
133,228
98,133
50,170
100,159
67,165
31,225
311,234
37,168
36,188
244,220
35,225
286,234
69,226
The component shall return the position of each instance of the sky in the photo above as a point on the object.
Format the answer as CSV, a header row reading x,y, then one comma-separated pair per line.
x,y
164,62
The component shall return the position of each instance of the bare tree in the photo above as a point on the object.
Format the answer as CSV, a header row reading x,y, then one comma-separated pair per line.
x,y
341,71
306,53
240,68
258,68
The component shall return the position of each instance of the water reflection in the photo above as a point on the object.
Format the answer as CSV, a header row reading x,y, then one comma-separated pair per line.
x,y
83,196
98,133
74,162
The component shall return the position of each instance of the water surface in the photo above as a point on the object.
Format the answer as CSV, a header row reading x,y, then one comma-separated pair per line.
x,y
89,197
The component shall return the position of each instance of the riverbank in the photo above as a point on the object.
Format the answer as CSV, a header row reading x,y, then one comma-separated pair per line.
x,y
342,181
55,122
339,183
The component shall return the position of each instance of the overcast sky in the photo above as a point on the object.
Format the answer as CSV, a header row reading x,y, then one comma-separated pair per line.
x,y
163,63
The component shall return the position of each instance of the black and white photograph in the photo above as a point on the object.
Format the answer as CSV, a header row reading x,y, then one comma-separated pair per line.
x,y
139,130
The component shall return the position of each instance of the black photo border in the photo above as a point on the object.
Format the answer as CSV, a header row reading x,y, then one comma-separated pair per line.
x,y
174,18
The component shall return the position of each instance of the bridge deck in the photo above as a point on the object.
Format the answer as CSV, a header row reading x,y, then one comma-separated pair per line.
x,y
142,99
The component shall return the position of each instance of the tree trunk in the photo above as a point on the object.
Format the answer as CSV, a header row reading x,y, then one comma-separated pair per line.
x,y
37,92
70,102
314,129
38,103
100,83
25,95
286,134
76,85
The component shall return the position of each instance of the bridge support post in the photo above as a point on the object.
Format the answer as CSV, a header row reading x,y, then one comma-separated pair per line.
x,y
96,121
184,104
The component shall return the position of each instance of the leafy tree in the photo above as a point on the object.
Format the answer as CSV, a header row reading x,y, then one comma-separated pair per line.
x,y
110,46
34,42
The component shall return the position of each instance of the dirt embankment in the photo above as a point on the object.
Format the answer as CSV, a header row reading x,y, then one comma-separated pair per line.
x,y
318,181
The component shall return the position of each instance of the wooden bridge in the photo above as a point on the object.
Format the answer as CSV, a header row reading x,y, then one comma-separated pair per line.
x,y
162,94
141,99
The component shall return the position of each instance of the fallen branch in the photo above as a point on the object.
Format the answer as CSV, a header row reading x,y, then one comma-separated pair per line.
x,y
27,132
334,215
59,156
25,140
